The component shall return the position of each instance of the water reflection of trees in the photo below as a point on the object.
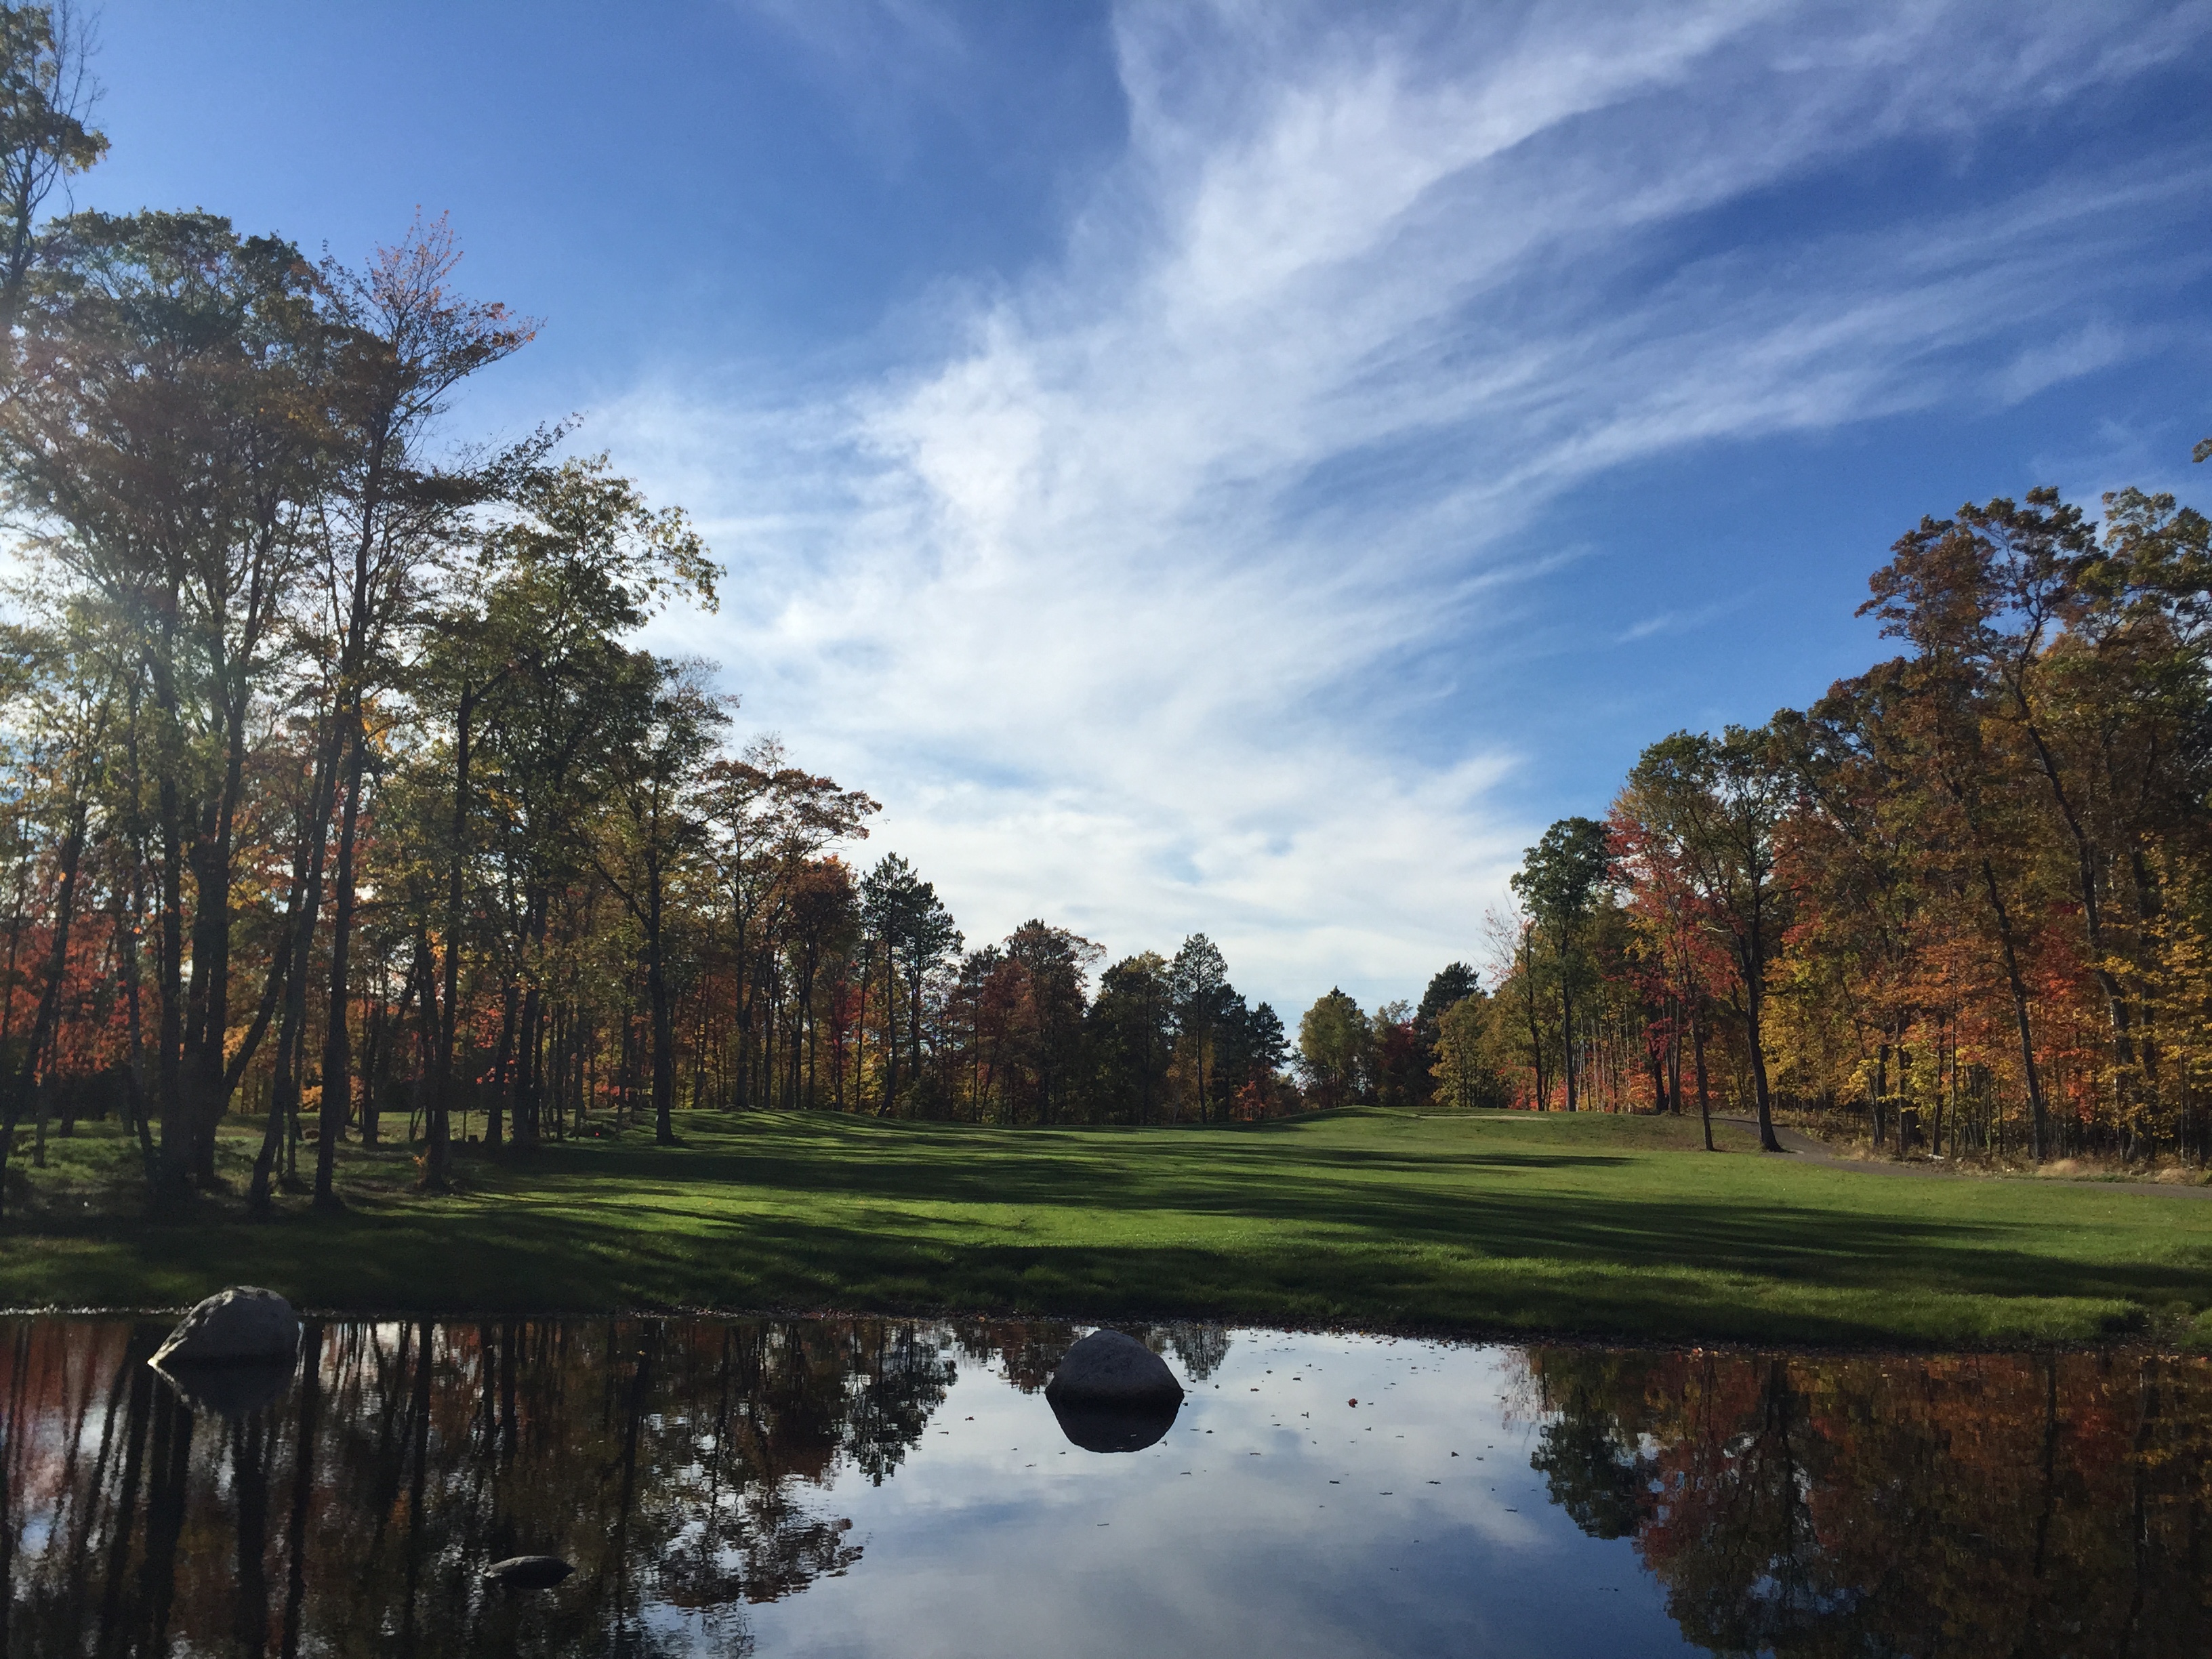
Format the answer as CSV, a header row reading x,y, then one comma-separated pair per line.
x,y
1026,1351
683,1467
2050,1504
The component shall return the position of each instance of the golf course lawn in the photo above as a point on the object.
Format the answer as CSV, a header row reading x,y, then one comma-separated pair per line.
x,y
1493,1223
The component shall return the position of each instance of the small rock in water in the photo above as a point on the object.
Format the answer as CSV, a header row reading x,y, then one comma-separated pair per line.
x,y
528,1571
244,1324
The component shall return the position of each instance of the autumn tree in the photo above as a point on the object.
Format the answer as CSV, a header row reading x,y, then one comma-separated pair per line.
x,y
1716,805
1558,880
1335,1045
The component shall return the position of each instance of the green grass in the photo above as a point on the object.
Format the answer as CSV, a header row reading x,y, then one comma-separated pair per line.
x,y
1604,1226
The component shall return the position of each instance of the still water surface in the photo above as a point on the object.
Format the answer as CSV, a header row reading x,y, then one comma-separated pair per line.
x,y
878,1487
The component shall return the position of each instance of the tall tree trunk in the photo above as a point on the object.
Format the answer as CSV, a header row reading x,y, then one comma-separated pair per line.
x,y
502,1065
298,951
890,1031
1705,1093
1754,1037
663,1022
1567,1034
207,1044
176,1124
529,1034
437,1158
337,1051
2085,874
127,901
2038,1117
915,970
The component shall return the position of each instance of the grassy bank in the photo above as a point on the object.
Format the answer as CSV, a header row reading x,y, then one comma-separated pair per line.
x,y
1599,1225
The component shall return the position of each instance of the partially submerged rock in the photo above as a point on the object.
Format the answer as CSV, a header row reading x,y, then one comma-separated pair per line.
x,y
1097,1428
1108,1369
229,1390
1112,1394
528,1571
243,1325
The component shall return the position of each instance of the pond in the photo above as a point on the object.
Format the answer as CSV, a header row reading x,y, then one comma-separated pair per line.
x,y
863,1487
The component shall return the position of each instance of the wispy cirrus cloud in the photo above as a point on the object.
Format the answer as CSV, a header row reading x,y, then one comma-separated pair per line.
x,y
1151,596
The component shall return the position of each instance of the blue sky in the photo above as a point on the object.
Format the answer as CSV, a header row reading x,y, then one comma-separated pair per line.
x,y
1247,467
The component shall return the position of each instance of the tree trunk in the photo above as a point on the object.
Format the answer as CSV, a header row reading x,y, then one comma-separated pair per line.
x,y
1567,1034
2038,1117
176,1125
212,1079
1704,1094
337,1051
890,1031
437,1157
503,1066
1767,1142
663,1022
299,949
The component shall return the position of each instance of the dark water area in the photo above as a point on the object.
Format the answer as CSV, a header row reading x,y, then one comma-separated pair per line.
x,y
862,1487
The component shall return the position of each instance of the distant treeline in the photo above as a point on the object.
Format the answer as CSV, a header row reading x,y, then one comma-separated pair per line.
x,y
1964,900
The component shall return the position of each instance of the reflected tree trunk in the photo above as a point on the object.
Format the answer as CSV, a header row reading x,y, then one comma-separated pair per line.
x,y
303,1488
249,1447
165,1514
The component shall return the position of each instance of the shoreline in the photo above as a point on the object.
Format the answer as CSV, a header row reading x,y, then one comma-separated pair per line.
x,y
1496,1337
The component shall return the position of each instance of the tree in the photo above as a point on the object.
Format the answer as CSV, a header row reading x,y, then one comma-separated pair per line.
x,y
1558,880
575,559
1198,994
70,690
163,429
1717,804
1335,1044
1250,1050
1512,937
1465,1078
769,818
1133,1036
46,94
1054,962
1448,986
660,733
916,933
824,911
403,341
1680,947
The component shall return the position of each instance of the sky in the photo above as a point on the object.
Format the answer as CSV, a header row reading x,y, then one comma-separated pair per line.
x,y
1247,467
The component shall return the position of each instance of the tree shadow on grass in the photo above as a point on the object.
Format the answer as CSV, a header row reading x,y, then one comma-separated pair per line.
x,y
1634,1266
784,1261
1308,1232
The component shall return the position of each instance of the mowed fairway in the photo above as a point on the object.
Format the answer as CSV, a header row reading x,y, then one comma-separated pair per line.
x,y
1596,1226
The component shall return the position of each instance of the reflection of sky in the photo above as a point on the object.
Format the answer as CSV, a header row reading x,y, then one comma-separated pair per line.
x,y
1274,1519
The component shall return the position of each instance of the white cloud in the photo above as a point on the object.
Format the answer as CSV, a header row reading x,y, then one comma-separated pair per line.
x,y
1128,604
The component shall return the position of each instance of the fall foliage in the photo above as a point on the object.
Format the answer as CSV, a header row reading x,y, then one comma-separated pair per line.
x,y
1959,904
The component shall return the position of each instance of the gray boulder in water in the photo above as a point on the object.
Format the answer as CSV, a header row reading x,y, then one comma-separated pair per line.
x,y
1108,1369
528,1571
243,1325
